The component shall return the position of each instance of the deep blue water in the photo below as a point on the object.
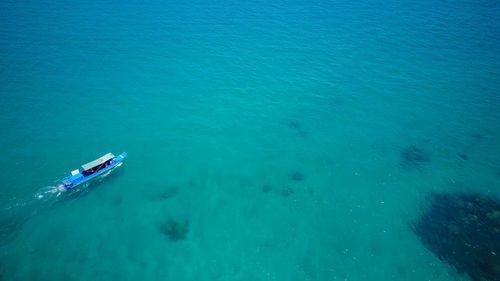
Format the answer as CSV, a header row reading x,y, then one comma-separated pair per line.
x,y
278,130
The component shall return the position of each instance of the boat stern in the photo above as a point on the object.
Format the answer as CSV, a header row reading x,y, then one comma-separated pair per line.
x,y
69,182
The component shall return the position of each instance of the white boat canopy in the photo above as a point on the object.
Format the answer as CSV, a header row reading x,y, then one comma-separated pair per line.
x,y
98,161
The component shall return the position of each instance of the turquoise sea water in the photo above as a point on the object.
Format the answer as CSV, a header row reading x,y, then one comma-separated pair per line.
x,y
275,129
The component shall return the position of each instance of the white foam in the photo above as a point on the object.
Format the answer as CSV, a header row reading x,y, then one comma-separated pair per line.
x,y
49,191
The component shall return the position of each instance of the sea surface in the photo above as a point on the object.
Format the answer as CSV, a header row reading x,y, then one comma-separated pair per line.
x,y
286,140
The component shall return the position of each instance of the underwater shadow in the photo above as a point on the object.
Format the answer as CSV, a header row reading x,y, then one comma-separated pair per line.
x,y
297,127
463,230
413,158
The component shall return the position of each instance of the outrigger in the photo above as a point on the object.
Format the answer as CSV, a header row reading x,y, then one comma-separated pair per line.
x,y
93,169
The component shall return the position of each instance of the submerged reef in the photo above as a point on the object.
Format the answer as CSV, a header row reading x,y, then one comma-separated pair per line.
x,y
294,124
297,176
297,127
175,229
266,188
169,192
414,156
336,101
463,230
478,136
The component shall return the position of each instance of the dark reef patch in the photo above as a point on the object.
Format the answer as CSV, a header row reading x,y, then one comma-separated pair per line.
x,y
294,124
414,156
478,136
463,230
401,270
175,229
297,127
463,156
266,188
169,192
337,101
297,176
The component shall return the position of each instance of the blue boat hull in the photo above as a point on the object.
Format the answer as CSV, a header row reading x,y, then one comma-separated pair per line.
x,y
81,177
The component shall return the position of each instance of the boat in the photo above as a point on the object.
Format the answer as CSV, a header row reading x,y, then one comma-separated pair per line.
x,y
93,169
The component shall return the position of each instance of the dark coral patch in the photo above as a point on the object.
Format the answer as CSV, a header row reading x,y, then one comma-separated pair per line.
x,y
294,124
464,231
401,270
266,188
175,229
336,101
169,192
297,127
297,176
463,156
414,156
478,136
